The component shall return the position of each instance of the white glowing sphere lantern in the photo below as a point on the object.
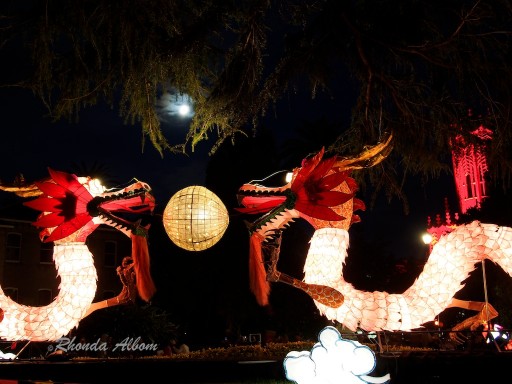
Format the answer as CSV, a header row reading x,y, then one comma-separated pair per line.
x,y
195,218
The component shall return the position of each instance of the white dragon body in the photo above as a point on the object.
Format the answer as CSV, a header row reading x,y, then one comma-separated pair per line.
x,y
322,193
451,261
76,291
72,209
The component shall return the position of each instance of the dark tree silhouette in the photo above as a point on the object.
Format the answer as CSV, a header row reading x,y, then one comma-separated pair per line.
x,y
412,68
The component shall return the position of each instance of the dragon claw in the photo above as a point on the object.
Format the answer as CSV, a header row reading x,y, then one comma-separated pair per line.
x,y
127,276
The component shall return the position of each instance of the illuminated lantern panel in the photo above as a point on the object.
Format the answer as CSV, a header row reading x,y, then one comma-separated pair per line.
x,y
195,218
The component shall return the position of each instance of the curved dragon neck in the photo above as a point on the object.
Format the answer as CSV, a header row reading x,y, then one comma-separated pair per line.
x,y
75,266
321,269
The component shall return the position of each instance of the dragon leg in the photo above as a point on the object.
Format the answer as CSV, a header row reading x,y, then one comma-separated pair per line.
x,y
486,312
128,292
321,293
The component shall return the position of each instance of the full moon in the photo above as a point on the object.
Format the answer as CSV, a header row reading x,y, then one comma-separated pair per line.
x,y
184,109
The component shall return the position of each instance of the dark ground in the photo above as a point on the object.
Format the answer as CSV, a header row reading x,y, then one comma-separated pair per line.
x,y
405,367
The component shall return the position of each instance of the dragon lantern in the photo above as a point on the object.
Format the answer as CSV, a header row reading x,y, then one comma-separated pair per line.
x,y
322,192
72,208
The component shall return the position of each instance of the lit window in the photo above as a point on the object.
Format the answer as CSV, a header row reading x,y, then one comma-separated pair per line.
x,y
469,186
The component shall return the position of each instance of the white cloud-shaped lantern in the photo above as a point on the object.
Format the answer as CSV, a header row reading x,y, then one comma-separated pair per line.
x,y
333,360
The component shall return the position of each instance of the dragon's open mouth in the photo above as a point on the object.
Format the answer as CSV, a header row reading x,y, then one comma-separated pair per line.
x,y
259,198
129,209
269,201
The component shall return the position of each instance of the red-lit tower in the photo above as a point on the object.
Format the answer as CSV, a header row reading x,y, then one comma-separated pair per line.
x,y
469,169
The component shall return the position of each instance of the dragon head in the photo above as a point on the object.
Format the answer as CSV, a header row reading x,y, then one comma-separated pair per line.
x,y
321,192
73,207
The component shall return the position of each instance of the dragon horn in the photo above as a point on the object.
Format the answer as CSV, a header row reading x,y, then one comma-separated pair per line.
x,y
369,157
